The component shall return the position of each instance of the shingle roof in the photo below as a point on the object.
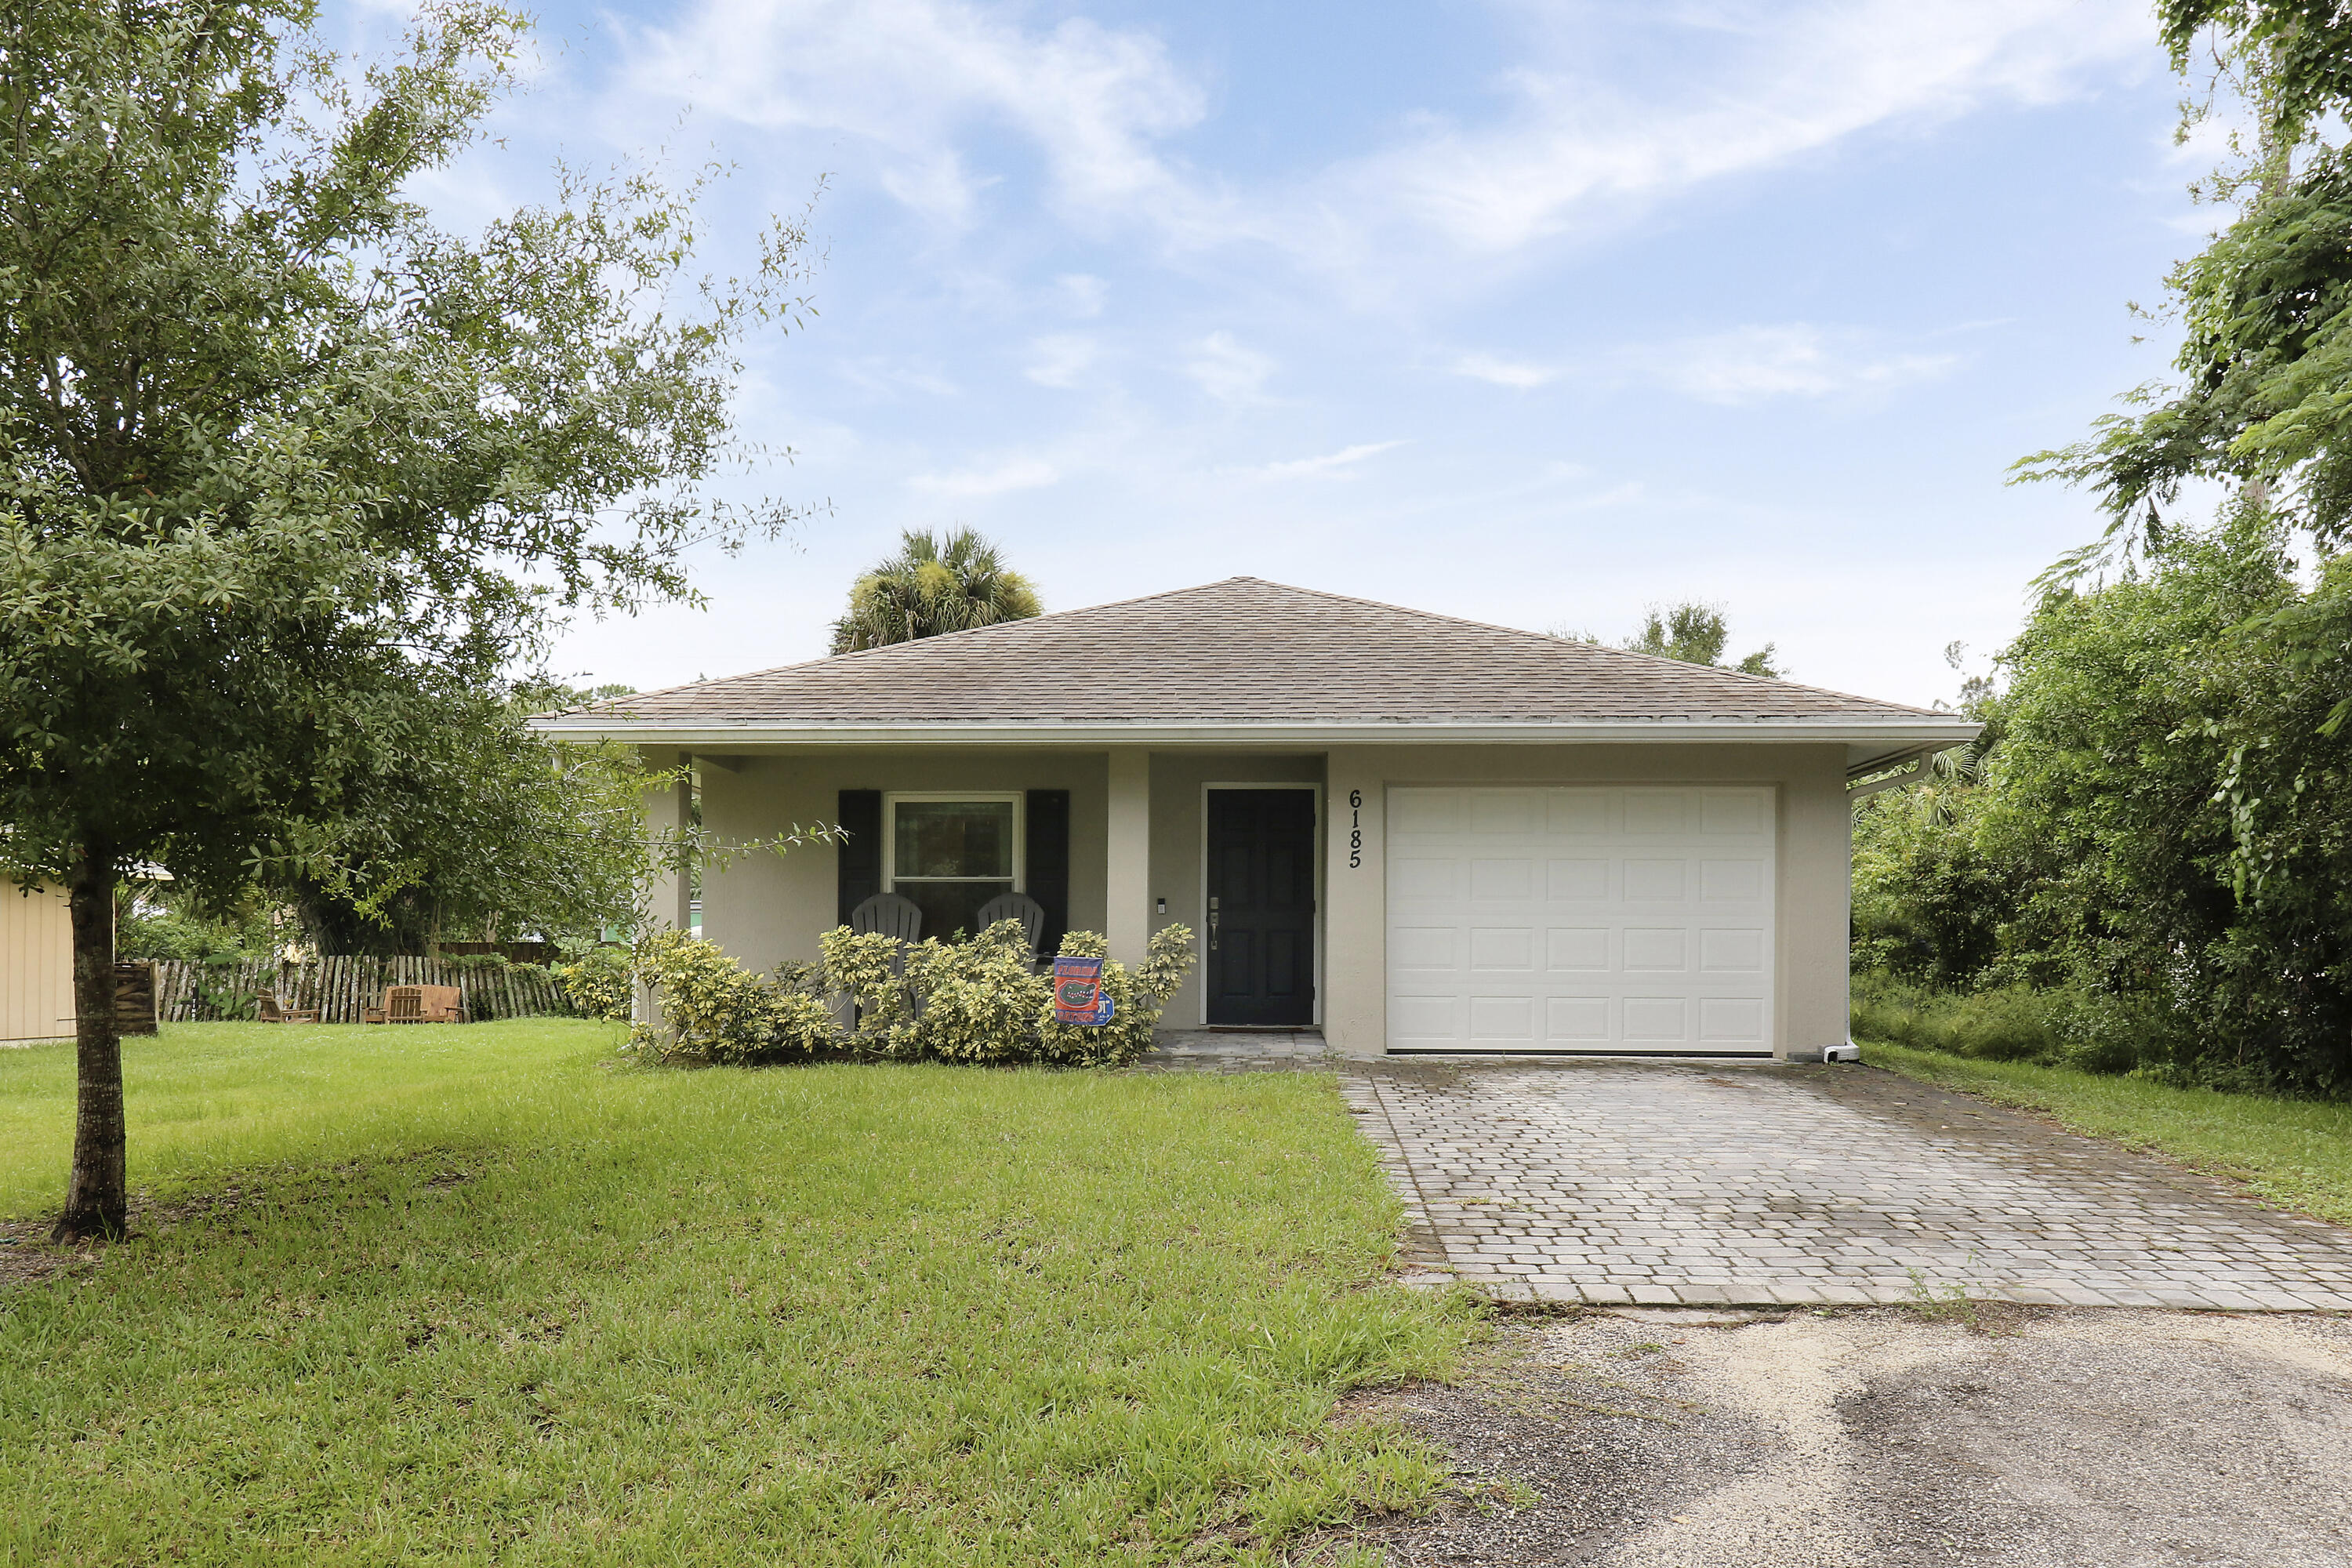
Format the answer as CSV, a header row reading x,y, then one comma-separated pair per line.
x,y
1245,651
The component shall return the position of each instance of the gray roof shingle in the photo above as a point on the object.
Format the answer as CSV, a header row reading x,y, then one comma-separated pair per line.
x,y
1243,651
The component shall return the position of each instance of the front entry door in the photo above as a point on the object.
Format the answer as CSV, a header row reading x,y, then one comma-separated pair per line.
x,y
1260,914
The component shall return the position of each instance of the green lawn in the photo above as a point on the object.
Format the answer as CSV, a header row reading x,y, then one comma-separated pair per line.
x,y
2293,1152
482,1296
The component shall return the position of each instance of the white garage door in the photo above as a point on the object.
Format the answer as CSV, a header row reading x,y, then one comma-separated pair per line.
x,y
1581,921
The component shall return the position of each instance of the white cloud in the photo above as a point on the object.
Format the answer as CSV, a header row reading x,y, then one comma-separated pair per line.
x,y
912,78
1002,479
1082,294
1785,81
1061,359
1752,363
1227,371
1513,373
914,86
1330,463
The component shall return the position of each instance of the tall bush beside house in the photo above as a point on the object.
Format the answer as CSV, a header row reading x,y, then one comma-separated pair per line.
x,y
715,1010
598,983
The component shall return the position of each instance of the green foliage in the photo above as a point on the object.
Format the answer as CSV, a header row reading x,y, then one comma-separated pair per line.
x,y
2164,828
1929,903
184,928
295,475
1137,999
1690,632
713,1010
979,1000
2060,1025
477,1293
600,983
933,585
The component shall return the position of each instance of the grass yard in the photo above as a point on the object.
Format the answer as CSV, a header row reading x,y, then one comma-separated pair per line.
x,y
2293,1152
479,1295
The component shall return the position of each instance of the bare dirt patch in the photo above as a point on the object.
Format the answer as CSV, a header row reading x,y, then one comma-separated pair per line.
x,y
1893,1439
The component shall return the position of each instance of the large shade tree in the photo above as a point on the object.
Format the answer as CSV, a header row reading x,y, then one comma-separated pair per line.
x,y
293,473
933,584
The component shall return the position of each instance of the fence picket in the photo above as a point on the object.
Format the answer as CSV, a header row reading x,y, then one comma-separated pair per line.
x,y
342,987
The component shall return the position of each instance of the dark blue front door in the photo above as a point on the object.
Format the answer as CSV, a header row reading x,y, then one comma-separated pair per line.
x,y
1261,906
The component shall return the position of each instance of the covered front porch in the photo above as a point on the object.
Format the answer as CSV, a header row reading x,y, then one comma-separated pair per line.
x,y
1123,841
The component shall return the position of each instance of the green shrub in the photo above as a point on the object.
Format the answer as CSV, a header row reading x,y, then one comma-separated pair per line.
x,y
599,983
869,969
715,1010
2063,1025
2012,1024
977,1001
1136,1000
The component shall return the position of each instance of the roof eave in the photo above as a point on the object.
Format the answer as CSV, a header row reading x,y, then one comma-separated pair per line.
x,y
1898,735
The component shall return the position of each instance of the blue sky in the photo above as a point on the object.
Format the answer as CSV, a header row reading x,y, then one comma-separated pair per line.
x,y
1529,314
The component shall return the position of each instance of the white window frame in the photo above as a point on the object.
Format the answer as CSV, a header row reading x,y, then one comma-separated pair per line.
x,y
890,800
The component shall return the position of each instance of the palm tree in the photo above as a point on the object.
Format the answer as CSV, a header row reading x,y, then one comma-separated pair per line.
x,y
933,585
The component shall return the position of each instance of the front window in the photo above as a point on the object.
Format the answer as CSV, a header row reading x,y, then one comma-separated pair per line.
x,y
952,854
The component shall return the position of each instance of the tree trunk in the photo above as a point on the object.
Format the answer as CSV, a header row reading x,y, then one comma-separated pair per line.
x,y
98,1199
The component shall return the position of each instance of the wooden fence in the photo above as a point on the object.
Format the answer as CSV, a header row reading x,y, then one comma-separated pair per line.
x,y
341,989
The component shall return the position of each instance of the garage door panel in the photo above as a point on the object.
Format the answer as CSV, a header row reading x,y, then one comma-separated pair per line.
x,y
1577,950
1581,919
1577,812
1656,881
1423,877
1512,880
1576,1020
1731,882
1726,951
1657,1020
1730,1020
1651,950
1649,811
1512,811
1425,811
1502,1020
1422,947
1576,881
1424,1019
1504,948
1734,811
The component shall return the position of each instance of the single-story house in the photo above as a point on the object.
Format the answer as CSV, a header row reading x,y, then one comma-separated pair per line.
x,y
1415,833
37,1001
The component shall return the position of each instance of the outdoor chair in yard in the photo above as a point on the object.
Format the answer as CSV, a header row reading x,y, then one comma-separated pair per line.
x,y
1014,907
418,1005
890,914
266,1009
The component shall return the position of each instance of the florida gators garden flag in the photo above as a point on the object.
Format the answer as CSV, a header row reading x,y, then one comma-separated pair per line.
x,y
1078,995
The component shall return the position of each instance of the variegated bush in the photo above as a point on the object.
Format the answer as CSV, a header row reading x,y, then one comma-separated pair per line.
x,y
714,1010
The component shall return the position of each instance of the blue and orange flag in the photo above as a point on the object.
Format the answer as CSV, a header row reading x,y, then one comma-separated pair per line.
x,y
1078,995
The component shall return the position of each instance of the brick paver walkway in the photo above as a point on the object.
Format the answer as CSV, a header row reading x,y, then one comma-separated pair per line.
x,y
1617,1183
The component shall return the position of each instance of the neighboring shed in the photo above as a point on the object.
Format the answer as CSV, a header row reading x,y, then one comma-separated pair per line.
x,y
36,964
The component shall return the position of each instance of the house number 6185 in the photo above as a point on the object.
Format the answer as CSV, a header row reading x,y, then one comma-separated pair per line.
x,y
1355,827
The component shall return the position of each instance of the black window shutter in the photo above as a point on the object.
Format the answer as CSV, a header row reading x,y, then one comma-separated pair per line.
x,y
859,856
1048,881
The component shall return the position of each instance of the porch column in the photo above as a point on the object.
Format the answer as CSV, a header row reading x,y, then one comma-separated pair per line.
x,y
1126,919
669,895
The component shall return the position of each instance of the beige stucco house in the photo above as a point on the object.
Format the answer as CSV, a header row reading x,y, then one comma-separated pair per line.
x,y
1415,833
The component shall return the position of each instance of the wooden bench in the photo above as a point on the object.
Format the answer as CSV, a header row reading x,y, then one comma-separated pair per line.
x,y
419,1005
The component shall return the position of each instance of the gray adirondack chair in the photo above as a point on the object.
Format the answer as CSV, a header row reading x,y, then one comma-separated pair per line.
x,y
1014,907
889,914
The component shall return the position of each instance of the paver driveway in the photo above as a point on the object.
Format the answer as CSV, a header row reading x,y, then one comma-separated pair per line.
x,y
1663,1183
